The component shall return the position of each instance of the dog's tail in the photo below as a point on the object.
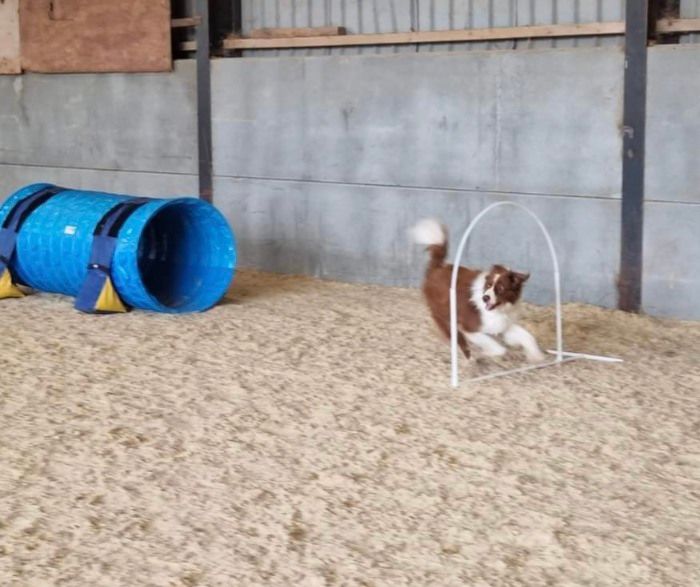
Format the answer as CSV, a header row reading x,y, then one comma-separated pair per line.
x,y
432,235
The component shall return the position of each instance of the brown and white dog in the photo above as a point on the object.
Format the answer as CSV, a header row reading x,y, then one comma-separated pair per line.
x,y
487,301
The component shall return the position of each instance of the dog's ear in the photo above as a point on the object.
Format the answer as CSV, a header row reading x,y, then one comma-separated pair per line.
x,y
519,278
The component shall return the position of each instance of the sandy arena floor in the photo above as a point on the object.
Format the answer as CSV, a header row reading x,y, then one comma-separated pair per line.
x,y
304,433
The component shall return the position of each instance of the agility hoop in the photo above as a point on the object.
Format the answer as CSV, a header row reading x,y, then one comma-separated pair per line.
x,y
561,356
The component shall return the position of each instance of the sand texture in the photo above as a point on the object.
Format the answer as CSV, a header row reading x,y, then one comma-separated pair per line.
x,y
304,434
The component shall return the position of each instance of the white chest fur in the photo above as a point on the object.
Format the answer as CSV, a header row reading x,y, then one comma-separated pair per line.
x,y
495,321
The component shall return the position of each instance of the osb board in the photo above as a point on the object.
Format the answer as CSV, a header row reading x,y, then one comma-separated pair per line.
x,y
95,35
9,37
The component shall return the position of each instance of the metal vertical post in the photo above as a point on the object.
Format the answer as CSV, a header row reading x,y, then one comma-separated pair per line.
x,y
631,257
204,132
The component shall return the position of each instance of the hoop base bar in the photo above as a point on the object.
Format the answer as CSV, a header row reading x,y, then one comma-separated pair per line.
x,y
588,357
568,358
520,370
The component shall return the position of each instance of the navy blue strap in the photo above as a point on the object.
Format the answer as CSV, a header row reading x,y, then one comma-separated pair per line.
x,y
17,217
104,243
111,223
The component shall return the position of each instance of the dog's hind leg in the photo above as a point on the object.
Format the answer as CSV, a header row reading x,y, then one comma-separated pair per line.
x,y
444,327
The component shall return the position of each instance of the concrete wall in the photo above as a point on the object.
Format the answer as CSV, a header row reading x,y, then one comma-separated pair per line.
x,y
129,133
322,163
672,212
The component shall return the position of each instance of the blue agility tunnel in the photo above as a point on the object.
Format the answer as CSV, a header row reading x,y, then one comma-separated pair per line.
x,y
161,255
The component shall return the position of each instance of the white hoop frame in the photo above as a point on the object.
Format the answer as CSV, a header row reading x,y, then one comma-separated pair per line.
x,y
561,355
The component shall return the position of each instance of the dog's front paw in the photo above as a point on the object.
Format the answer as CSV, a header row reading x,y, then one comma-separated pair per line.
x,y
494,352
536,356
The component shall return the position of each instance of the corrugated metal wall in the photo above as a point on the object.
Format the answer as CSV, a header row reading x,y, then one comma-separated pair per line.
x,y
447,14
382,16
690,9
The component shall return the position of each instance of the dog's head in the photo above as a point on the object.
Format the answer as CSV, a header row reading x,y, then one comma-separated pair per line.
x,y
502,286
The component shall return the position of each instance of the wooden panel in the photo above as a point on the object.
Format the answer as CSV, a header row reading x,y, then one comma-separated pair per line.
x,y
182,23
448,36
95,35
9,37
276,33
679,25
